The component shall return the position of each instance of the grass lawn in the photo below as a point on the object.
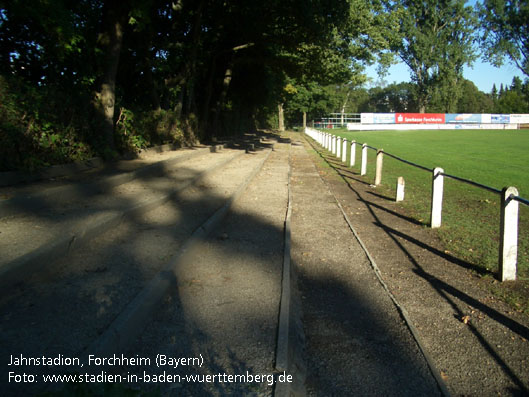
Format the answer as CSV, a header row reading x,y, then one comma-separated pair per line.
x,y
496,158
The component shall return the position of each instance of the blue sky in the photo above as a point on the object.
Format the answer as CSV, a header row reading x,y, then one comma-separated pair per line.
x,y
483,75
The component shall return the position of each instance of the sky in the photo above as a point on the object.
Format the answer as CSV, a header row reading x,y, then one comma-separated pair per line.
x,y
483,75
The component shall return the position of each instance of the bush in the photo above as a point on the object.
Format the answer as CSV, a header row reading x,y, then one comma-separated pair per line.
x,y
32,134
137,131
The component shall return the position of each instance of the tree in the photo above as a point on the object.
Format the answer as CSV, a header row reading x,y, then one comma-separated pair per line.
x,y
505,30
472,100
494,92
131,72
513,99
114,18
435,40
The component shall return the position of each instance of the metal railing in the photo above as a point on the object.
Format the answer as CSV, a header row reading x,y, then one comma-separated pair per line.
x,y
509,195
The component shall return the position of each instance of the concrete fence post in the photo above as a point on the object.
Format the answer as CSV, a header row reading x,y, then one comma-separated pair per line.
x,y
363,167
437,197
353,153
508,234
339,147
334,145
378,169
344,150
400,189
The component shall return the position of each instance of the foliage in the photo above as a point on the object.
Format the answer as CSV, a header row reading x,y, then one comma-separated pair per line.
x,y
435,40
472,100
513,99
36,131
392,98
175,71
506,32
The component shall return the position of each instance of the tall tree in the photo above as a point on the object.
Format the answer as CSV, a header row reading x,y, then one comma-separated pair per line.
x,y
506,32
110,38
435,40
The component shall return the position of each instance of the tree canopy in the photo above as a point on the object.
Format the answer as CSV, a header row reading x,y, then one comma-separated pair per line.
x,y
505,27
434,38
120,75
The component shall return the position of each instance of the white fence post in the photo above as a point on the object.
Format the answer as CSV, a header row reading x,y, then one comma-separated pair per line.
x,y
339,147
400,189
353,153
344,150
508,234
334,145
378,169
437,197
363,167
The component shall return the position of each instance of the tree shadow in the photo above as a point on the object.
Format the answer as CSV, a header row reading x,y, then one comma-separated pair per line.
x,y
62,312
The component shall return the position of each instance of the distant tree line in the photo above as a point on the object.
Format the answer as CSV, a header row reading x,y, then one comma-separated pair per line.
x,y
402,97
99,77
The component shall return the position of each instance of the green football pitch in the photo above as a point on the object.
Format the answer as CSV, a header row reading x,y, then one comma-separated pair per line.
x,y
496,158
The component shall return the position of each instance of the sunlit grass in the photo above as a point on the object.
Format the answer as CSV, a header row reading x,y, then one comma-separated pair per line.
x,y
496,158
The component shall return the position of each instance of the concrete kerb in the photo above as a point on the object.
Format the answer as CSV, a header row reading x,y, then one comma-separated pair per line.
x,y
17,270
290,336
61,170
131,321
74,191
8,178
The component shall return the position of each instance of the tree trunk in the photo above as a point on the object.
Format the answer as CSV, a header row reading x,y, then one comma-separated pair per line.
x,y
109,42
304,120
344,105
222,99
281,117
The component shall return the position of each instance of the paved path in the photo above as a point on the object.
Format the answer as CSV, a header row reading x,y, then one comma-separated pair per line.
x,y
356,341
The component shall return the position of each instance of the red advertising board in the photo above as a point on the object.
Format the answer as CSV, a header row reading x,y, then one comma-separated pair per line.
x,y
420,118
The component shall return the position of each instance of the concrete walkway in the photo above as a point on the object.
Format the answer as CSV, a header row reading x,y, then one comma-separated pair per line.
x,y
356,342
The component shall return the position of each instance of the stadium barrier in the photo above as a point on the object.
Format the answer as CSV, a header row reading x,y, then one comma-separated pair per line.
x,y
508,251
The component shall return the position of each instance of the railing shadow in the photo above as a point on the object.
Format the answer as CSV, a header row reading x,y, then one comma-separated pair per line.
x,y
448,292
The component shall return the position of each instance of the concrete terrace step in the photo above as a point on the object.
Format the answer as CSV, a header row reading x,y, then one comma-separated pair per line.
x,y
92,285
34,237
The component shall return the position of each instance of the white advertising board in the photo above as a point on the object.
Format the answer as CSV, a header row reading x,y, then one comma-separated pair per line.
x,y
519,118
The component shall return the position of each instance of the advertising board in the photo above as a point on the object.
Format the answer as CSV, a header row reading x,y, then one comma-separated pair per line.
x,y
500,118
420,118
519,118
463,118
384,118
366,118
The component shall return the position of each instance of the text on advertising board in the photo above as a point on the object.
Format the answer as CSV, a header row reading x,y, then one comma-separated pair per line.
x,y
420,118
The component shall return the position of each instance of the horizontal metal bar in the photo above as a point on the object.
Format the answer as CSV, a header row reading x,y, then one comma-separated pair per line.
x,y
409,162
469,182
519,199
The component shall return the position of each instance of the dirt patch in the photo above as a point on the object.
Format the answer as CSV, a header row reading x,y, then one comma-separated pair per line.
x,y
478,342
